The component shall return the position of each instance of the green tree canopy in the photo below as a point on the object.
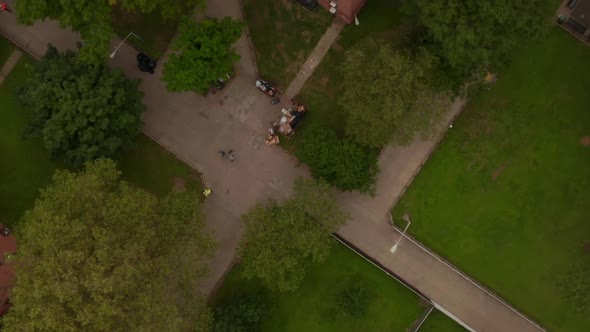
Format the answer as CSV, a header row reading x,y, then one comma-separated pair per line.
x,y
82,111
203,54
339,161
168,9
282,239
381,87
92,18
96,254
471,35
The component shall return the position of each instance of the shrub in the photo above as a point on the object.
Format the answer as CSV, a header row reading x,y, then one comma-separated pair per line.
x,y
341,162
576,286
353,301
242,313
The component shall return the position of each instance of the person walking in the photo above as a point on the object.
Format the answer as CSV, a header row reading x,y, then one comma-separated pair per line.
x,y
4,7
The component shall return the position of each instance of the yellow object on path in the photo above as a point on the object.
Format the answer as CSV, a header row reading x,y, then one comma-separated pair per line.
x,y
490,78
207,192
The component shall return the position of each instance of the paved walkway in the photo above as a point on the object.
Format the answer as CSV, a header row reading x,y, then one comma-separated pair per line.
x,y
314,59
194,128
9,64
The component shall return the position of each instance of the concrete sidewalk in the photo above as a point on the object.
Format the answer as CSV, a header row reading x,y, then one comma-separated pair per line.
x,y
196,127
314,59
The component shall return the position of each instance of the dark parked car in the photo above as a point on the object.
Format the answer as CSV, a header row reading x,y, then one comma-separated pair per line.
x,y
145,63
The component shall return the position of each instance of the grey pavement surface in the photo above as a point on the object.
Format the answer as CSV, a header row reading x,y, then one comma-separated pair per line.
x,y
195,127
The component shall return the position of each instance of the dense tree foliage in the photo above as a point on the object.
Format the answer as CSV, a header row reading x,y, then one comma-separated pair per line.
x,y
92,18
340,162
96,254
168,9
82,111
472,35
203,53
387,95
281,239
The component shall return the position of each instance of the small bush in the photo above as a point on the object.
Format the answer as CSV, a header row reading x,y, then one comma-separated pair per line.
x,y
341,162
576,286
241,314
353,301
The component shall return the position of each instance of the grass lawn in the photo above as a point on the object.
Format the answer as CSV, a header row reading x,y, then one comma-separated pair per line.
x,y
506,195
379,19
313,307
439,322
26,166
147,165
155,32
6,48
283,33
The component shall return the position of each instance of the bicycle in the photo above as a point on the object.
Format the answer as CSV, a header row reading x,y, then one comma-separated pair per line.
x,y
230,154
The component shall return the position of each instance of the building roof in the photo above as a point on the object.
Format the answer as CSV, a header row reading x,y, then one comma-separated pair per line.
x,y
345,9
581,12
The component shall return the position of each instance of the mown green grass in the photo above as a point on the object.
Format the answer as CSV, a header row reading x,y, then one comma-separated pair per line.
x,y
313,306
506,195
439,322
147,165
5,49
26,167
283,33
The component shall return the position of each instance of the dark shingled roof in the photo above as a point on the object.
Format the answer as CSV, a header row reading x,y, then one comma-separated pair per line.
x,y
581,12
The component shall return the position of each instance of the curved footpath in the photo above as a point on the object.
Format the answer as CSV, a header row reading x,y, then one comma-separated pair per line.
x,y
194,128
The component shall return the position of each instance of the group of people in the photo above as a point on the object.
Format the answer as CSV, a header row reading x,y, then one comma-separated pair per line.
x,y
272,139
286,124
296,115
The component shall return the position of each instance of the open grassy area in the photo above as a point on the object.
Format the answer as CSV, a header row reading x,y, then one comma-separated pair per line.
x,y
439,322
155,32
147,165
5,49
26,166
379,19
283,33
313,307
506,195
